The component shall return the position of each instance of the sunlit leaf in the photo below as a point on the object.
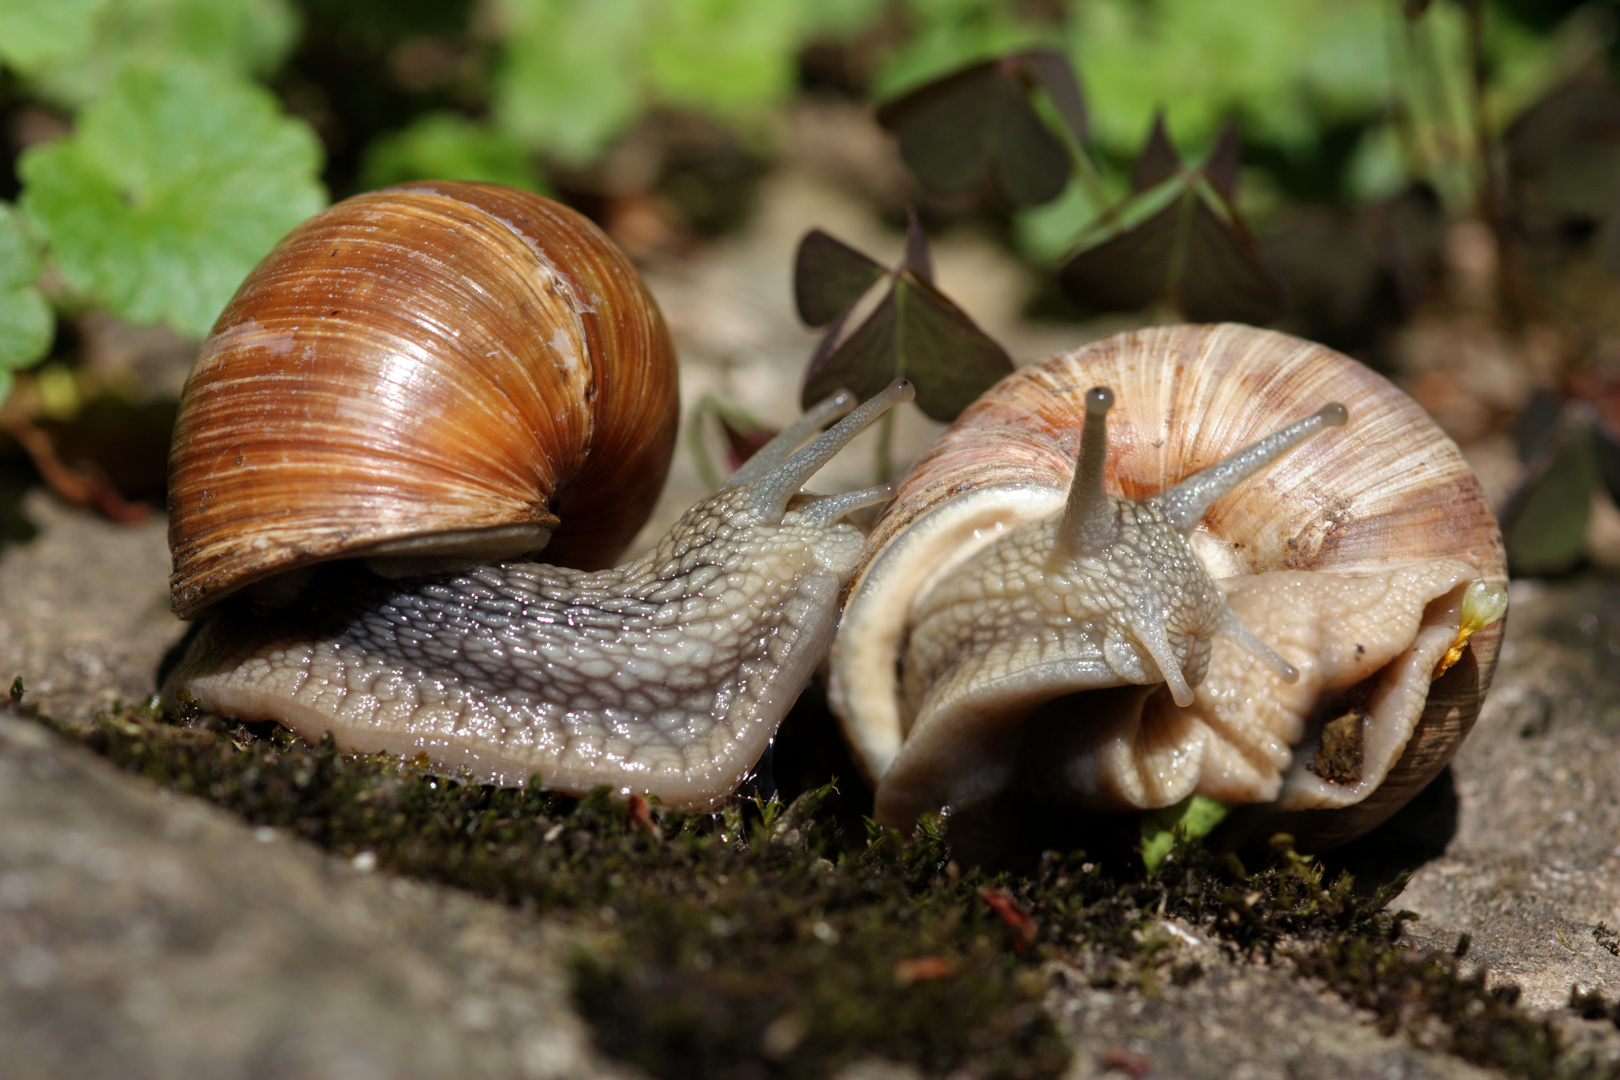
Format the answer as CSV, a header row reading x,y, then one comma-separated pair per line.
x,y
914,330
1129,269
979,119
864,362
1177,238
829,276
1224,278
169,190
951,360
1544,526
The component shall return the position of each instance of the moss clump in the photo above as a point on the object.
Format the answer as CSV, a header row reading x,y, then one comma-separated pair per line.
x,y
759,941
770,941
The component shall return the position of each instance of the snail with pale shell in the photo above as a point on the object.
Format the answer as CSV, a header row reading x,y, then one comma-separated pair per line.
x,y
1271,580
416,393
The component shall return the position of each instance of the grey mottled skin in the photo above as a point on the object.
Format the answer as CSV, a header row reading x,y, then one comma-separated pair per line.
x,y
1140,610
667,675
1108,592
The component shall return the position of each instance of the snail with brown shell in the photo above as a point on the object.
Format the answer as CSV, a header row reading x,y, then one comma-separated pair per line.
x,y
415,394
1262,584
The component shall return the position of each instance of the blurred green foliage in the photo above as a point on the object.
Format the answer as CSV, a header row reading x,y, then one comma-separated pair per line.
x,y
70,52
180,171
159,206
573,74
197,131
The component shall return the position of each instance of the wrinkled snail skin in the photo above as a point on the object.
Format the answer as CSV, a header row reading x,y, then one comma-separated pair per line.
x,y
978,655
417,391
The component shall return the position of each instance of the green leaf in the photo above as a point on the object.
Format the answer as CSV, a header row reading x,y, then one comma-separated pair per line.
x,y
951,360
169,191
829,276
26,321
1544,525
1194,249
915,330
448,146
1186,822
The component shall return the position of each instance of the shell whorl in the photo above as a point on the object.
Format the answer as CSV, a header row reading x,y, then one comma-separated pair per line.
x,y
1386,491
438,368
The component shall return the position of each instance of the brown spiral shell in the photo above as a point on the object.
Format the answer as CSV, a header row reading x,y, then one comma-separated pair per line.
x,y
1386,490
436,368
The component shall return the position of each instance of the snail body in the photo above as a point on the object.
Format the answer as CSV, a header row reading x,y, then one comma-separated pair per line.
x,y
975,658
414,394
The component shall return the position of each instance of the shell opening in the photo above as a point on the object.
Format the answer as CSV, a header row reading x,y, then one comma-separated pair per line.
x,y
770,493
1186,503
1090,519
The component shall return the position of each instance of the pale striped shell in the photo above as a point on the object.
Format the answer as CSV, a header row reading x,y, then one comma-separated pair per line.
x,y
1386,491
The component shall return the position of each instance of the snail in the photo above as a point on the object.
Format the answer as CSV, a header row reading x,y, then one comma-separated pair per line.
x,y
1272,579
415,394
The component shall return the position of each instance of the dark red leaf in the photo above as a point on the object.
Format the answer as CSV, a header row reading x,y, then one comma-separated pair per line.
x,y
944,127
1223,162
917,260
863,363
743,438
979,118
1158,160
943,351
1021,922
1195,251
1055,75
1128,270
1030,165
829,276
1223,276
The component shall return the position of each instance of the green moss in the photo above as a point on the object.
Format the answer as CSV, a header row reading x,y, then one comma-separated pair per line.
x,y
771,940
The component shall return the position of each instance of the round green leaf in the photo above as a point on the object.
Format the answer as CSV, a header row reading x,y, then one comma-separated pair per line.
x,y
26,321
172,187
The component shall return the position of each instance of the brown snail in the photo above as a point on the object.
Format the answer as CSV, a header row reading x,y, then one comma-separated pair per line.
x,y
1289,638
415,393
